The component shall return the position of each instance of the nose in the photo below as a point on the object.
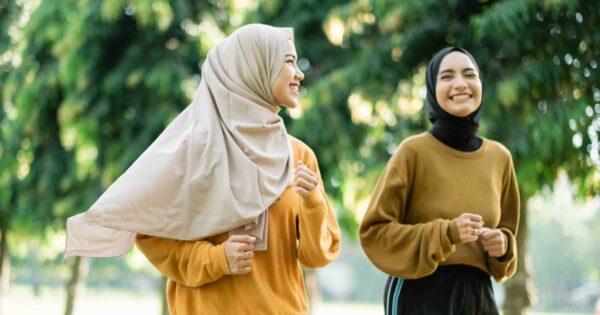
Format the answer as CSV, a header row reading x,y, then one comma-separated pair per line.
x,y
299,75
460,83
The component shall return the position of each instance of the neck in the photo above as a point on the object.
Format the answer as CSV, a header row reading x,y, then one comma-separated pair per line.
x,y
457,133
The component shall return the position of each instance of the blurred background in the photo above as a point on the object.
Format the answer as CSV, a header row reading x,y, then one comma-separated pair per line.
x,y
86,86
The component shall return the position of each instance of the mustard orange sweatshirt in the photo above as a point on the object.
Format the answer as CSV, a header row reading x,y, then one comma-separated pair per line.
x,y
300,230
408,231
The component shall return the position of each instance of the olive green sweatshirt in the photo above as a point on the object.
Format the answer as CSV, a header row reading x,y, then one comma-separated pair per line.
x,y
408,229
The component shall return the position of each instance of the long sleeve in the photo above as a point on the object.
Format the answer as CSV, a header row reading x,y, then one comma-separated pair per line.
x,y
319,232
504,267
402,250
190,263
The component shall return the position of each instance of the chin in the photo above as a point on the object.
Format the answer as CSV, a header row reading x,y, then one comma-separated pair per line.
x,y
291,104
460,113
462,110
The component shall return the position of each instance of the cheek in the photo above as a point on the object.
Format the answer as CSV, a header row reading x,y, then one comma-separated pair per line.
x,y
440,93
278,90
289,74
476,88
283,79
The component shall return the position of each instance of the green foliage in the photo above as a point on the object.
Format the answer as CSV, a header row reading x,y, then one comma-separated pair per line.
x,y
97,81
537,60
9,131
86,86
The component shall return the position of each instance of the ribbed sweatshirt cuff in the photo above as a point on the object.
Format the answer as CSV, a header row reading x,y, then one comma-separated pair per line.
x,y
314,198
218,256
453,233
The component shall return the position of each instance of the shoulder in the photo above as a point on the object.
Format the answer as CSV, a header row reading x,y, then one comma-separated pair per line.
x,y
499,155
299,146
498,149
302,151
415,142
409,147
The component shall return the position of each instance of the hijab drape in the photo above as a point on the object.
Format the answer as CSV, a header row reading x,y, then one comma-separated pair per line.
x,y
217,167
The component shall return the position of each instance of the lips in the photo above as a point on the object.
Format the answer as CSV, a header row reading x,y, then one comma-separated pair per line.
x,y
460,97
294,87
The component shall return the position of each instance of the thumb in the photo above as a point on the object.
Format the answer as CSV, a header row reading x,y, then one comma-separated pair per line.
x,y
485,233
241,238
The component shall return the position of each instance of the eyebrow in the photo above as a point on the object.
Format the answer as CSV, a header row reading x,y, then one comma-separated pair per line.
x,y
290,55
452,71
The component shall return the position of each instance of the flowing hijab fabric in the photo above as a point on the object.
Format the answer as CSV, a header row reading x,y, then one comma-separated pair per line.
x,y
456,132
217,167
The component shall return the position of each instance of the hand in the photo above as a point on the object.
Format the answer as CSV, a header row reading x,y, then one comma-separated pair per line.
x,y
239,250
469,227
305,180
493,241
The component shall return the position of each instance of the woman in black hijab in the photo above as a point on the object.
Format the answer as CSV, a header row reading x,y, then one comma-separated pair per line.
x,y
455,131
444,214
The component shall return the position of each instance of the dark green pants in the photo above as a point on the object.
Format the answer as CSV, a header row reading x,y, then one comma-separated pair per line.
x,y
450,290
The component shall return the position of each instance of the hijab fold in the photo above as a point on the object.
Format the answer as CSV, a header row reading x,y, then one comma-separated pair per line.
x,y
456,132
216,168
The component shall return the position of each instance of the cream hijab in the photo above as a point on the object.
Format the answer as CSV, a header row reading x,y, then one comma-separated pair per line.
x,y
217,167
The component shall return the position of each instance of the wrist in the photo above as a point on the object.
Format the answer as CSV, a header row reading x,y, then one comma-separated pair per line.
x,y
314,198
453,233
221,259
505,255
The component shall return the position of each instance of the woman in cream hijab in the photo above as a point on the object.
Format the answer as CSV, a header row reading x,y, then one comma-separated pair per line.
x,y
224,203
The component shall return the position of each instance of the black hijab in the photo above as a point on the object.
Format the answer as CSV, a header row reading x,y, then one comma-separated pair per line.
x,y
456,132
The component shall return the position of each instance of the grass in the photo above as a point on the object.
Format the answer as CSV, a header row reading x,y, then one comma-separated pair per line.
x,y
21,301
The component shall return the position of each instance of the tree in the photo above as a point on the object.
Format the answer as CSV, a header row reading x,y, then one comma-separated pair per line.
x,y
98,82
541,89
9,141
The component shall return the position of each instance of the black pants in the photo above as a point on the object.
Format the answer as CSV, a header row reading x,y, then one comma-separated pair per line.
x,y
450,290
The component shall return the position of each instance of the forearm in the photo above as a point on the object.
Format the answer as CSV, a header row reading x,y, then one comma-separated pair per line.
x,y
505,266
420,247
191,263
319,232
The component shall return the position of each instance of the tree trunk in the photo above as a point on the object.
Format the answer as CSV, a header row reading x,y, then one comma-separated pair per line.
x,y
519,289
312,288
163,295
34,268
4,269
79,272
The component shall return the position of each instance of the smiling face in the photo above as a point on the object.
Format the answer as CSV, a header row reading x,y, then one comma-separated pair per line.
x,y
458,87
285,88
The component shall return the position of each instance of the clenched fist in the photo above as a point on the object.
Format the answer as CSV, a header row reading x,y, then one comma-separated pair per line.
x,y
469,227
305,180
239,250
493,241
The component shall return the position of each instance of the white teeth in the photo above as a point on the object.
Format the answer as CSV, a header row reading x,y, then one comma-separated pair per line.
x,y
461,97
